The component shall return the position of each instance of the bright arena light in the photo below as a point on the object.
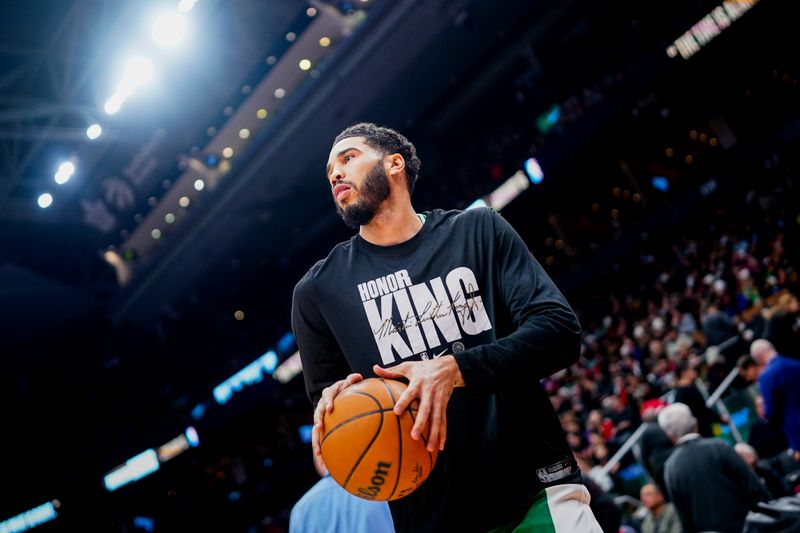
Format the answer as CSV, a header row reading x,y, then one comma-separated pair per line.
x,y
64,172
168,29
199,185
113,104
138,71
304,64
534,171
94,131
134,469
45,200
184,6
30,519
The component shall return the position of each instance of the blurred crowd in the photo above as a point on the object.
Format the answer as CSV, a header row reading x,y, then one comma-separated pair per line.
x,y
686,320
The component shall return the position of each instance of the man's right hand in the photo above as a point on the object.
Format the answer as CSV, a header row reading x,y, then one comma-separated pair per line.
x,y
325,405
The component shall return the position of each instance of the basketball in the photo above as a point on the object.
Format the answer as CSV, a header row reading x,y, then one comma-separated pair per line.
x,y
368,449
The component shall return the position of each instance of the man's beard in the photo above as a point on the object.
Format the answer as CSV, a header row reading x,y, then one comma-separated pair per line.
x,y
373,191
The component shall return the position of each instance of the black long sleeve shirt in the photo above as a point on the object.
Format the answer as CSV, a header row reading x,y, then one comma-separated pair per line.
x,y
464,285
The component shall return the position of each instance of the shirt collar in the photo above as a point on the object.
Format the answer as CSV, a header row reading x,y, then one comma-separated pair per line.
x,y
688,437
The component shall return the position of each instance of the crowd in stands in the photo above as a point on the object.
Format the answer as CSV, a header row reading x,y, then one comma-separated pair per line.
x,y
672,334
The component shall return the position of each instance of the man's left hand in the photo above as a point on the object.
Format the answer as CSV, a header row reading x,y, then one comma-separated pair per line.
x,y
431,381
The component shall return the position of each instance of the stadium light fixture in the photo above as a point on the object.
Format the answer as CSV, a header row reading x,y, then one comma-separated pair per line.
x,y
45,200
30,519
534,171
168,29
134,469
64,172
94,131
660,183
138,71
184,6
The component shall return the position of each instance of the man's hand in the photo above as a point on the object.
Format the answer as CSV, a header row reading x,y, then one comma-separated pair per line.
x,y
432,382
325,405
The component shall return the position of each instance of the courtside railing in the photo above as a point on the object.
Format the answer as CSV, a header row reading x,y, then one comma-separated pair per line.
x,y
713,400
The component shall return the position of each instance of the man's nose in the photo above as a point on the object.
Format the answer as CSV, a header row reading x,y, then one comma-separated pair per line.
x,y
336,176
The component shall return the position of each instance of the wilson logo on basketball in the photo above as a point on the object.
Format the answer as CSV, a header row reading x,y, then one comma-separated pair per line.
x,y
377,481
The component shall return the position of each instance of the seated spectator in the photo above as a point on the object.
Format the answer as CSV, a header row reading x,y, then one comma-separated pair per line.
x,y
779,386
710,485
661,516
654,445
782,328
746,380
686,393
718,326
622,416
772,480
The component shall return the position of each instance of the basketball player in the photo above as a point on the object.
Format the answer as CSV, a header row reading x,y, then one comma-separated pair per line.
x,y
453,303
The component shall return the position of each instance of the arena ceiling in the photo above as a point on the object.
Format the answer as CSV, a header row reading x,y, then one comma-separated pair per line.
x,y
420,66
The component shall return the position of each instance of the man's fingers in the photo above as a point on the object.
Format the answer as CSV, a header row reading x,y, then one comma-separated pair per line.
x,y
433,434
325,405
422,419
330,392
435,424
443,431
390,373
315,440
402,402
327,392
352,379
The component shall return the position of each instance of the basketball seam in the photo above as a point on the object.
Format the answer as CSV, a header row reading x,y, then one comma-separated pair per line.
x,y
399,439
343,422
374,438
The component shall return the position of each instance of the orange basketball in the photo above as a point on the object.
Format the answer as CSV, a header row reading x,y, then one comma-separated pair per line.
x,y
368,449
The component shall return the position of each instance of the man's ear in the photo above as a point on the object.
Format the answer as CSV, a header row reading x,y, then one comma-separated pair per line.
x,y
394,164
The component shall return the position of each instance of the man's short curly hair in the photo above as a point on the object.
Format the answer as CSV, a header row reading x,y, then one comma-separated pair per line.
x,y
387,141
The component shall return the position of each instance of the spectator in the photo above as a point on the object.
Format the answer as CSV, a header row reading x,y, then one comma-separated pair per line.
x,y
718,326
686,393
744,387
749,370
328,508
779,387
621,415
710,485
767,439
772,480
782,327
661,516
654,445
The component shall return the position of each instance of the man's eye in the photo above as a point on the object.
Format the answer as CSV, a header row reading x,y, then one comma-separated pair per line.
x,y
347,158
